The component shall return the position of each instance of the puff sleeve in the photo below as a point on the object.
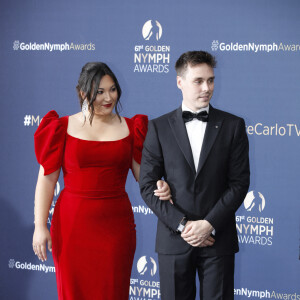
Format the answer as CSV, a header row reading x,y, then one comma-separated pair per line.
x,y
49,141
140,127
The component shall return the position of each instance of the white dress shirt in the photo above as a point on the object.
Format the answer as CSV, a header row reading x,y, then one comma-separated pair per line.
x,y
195,130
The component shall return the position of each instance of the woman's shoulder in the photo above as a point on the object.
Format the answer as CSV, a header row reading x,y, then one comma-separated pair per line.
x,y
76,118
138,119
139,128
49,141
52,122
138,124
52,115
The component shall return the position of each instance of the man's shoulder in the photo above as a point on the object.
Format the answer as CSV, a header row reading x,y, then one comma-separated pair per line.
x,y
226,115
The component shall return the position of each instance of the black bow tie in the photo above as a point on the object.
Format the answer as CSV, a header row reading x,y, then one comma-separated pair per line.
x,y
189,116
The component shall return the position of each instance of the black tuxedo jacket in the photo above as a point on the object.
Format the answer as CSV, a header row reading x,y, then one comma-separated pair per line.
x,y
213,193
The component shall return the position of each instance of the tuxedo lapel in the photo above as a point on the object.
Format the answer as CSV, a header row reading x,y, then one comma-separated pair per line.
x,y
180,134
212,129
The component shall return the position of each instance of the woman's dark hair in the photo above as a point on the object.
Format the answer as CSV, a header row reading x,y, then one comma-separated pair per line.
x,y
89,80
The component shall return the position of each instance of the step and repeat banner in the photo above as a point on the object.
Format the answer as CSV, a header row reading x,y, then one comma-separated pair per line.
x,y
44,45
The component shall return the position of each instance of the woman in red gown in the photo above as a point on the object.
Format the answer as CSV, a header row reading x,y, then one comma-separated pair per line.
x,y
92,231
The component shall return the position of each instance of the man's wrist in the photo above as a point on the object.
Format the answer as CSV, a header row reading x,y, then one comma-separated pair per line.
x,y
181,225
213,231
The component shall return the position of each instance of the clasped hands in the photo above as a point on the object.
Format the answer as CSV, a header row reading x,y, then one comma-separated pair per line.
x,y
196,233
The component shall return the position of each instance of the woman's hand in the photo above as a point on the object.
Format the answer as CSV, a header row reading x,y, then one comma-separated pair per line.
x,y
163,191
43,197
41,237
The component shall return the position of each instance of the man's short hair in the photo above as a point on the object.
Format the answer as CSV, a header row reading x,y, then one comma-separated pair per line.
x,y
194,58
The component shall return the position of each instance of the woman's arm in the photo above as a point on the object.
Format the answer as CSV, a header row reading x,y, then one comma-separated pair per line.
x,y
43,198
163,190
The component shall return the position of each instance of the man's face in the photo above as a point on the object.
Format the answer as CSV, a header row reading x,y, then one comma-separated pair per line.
x,y
197,86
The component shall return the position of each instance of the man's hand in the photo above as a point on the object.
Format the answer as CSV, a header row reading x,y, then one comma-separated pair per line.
x,y
197,233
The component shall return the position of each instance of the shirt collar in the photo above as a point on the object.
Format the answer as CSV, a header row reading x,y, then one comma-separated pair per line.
x,y
185,108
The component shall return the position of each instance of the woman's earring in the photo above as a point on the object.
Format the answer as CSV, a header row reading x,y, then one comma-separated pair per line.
x,y
84,109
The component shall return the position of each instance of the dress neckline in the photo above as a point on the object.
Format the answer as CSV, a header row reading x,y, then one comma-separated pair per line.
x,y
76,138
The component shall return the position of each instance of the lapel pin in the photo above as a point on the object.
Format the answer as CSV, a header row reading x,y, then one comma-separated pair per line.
x,y
217,126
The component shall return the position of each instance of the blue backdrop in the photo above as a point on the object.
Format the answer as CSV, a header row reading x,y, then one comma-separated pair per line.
x,y
44,44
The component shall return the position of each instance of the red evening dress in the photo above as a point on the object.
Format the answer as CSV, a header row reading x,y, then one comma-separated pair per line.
x,y
92,229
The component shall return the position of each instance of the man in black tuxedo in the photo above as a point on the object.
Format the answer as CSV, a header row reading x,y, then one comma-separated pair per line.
x,y
202,152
